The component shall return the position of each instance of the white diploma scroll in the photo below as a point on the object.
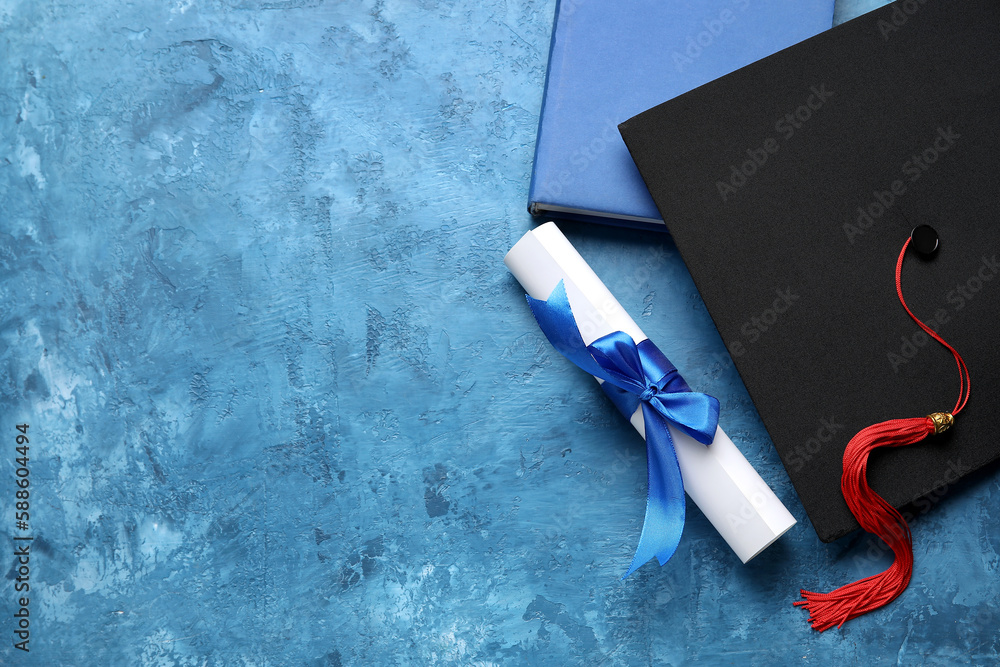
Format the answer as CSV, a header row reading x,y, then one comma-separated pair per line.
x,y
718,478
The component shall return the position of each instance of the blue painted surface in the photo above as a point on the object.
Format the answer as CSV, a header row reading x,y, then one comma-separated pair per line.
x,y
286,404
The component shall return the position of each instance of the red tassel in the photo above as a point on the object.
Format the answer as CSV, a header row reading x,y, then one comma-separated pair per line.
x,y
876,516
870,509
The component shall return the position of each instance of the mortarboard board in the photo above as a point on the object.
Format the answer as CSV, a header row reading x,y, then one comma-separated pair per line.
x,y
789,187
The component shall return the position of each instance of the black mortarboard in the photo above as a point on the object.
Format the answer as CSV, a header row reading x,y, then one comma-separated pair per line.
x,y
790,186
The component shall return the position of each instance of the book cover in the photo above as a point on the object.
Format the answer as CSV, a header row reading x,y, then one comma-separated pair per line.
x,y
609,61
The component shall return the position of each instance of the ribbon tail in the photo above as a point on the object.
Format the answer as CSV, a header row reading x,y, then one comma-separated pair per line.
x,y
556,320
664,522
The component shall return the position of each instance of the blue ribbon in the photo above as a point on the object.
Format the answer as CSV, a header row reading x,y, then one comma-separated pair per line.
x,y
637,375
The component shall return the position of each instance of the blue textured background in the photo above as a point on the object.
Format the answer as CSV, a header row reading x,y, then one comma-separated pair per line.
x,y
288,407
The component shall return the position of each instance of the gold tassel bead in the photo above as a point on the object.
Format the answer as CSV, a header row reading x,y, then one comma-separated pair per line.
x,y
942,421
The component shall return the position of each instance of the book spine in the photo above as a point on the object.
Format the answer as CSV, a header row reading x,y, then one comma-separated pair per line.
x,y
554,62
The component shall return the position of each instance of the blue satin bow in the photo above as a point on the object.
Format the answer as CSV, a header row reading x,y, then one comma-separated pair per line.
x,y
637,375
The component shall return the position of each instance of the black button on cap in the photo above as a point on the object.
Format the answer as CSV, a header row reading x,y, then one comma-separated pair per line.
x,y
924,240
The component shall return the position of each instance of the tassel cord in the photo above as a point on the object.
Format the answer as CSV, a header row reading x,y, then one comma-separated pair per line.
x,y
964,381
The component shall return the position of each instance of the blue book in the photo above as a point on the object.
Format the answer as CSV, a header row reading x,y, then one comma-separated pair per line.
x,y
609,61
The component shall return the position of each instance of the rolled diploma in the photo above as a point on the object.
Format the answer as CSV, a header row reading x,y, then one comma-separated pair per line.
x,y
718,478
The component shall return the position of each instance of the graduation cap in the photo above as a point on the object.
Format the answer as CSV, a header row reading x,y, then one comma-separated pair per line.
x,y
789,187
